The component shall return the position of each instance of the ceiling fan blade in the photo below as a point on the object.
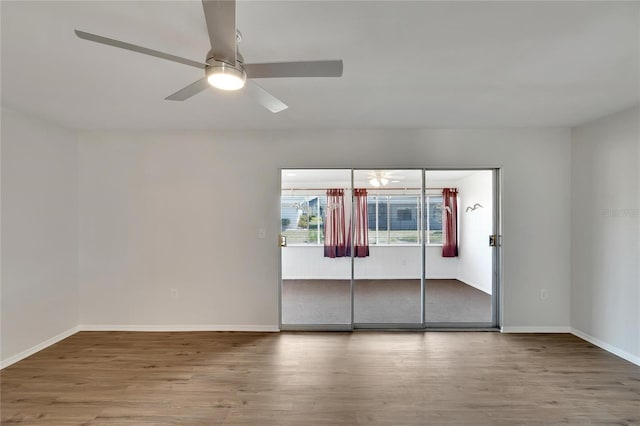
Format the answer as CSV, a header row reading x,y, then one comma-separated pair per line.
x,y
220,16
189,91
139,49
295,69
264,98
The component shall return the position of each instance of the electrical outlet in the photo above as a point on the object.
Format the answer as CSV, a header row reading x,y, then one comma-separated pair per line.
x,y
174,293
543,294
262,233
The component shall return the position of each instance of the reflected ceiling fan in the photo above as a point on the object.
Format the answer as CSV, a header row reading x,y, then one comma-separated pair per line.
x,y
224,66
380,178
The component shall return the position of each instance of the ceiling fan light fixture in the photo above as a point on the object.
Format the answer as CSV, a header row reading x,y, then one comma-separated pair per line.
x,y
378,179
225,77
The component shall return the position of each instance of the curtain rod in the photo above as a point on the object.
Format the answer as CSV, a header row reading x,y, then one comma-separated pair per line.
x,y
368,189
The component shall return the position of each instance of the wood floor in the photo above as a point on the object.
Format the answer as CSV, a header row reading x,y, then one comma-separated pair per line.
x,y
393,378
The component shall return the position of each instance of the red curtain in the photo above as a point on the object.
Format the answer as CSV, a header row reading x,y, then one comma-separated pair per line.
x,y
334,227
361,229
450,222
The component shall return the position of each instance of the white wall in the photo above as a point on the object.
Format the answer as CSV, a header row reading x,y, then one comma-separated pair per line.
x,y
605,231
438,267
309,263
383,262
163,210
39,233
180,210
475,257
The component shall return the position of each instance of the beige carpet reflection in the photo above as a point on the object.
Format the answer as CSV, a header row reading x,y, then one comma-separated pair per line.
x,y
382,302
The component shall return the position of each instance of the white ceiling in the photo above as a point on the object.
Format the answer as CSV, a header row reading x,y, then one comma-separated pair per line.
x,y
406,64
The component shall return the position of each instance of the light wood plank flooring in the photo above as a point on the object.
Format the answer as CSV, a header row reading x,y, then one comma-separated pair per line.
x,y
388,378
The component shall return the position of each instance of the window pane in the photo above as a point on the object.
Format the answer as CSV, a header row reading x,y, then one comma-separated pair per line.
x,y
383,219
434,216
301,223
371,216
321,218
435,237
403,219
382,213
404,215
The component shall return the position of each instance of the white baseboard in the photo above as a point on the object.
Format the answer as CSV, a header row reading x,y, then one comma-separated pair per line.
x,y
535,329
37,348
606,346
188,327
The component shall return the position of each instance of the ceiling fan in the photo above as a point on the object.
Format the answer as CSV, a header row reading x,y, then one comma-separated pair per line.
x,y
378,178
224,66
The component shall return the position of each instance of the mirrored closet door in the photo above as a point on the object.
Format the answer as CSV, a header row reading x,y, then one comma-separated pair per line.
x,y
388,249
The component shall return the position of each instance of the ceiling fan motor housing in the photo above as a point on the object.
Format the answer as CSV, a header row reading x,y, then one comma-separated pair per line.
x,y
225,73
